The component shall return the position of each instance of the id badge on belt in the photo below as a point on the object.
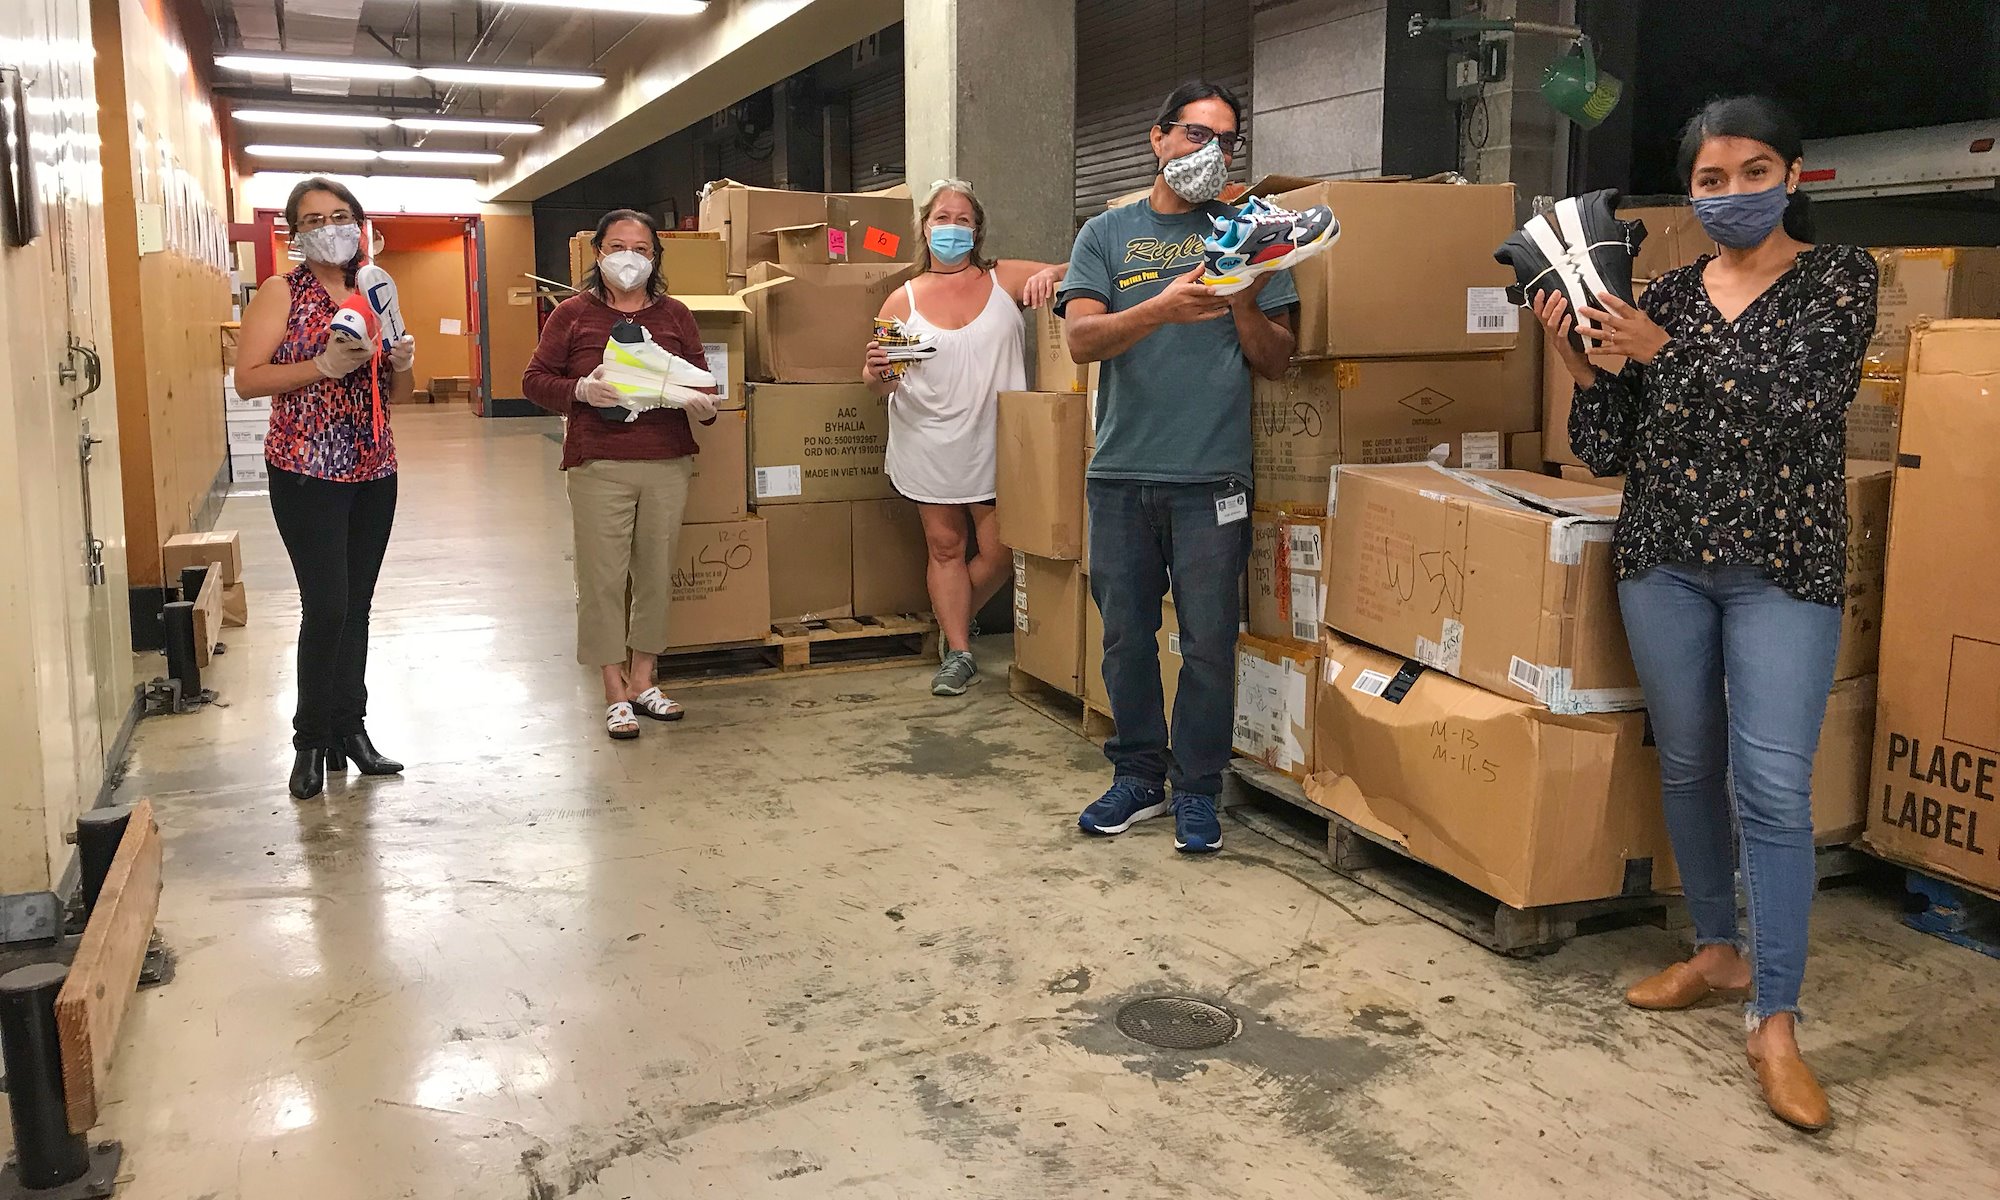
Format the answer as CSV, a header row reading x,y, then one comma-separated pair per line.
x,y
1232,504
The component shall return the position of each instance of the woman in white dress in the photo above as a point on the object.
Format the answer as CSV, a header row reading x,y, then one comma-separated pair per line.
x,y
942,409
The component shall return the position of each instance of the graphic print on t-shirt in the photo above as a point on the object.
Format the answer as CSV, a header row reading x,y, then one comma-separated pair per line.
x,y
1157,261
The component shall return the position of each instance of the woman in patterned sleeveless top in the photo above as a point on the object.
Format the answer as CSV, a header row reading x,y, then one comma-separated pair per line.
x,y
333,471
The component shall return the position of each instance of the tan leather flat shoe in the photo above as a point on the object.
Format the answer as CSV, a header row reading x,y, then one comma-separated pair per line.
x,y
1679,986
1793,1092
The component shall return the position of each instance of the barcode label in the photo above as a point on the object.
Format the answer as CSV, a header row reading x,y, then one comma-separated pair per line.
x,y
776,482
717,354
1302,544
1487,310
1482,452
1173,643
1525,675
1305,607
1371,683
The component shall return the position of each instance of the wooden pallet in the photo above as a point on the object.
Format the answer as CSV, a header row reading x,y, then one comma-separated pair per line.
x,y
1059,706
833,645
1953,912
1275,805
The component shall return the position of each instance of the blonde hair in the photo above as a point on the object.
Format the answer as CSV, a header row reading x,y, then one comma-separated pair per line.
x,y
929,205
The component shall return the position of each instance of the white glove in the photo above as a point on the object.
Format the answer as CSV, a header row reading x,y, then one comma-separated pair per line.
x,y
700,408
342,357
594,391
403,353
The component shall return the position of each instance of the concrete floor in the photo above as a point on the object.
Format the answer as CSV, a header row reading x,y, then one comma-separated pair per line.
x,y
833,937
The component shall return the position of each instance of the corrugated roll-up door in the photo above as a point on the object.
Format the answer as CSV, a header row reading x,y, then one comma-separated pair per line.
x,y
875,131
749,164
1129,55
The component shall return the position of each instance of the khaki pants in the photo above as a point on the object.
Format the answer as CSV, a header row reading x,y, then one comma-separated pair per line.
x,y
628,520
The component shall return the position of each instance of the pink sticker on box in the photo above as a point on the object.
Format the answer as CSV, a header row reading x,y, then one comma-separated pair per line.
x,y
836,243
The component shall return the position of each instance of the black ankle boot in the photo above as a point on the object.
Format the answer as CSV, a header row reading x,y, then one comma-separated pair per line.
x,y
308,773
367,759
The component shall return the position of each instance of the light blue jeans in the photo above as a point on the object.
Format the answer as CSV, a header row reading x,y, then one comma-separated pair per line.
x,y
1736,672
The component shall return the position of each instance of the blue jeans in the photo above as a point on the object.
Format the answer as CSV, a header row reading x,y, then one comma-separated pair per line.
x,y
1142,535
1736,672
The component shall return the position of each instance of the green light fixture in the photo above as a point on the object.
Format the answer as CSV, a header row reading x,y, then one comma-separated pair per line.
x,y
1573,85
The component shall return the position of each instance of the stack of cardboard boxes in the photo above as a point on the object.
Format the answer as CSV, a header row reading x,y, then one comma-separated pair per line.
x,y
222,600
802,440
1936,754
1406,344
246,421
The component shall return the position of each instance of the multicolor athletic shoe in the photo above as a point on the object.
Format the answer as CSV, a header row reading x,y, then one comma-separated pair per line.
x,y
903,346
650,375
1261,237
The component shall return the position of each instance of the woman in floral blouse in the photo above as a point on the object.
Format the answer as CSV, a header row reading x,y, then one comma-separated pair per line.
x,y
1729,423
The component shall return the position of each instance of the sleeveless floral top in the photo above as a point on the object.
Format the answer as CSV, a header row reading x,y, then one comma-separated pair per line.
x,y
327,429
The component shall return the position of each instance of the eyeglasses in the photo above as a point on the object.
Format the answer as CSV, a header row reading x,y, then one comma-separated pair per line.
x,y
317,220
1200,135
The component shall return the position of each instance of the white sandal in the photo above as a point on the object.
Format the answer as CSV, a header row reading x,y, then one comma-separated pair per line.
x,y
619,721
652,704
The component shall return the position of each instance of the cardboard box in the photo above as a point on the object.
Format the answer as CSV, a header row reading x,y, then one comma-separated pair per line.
x,y
1558,396
720,488
1524,452
1275,689
811,560
746,217
1674,238
1048,621
814,442
235,606
246,437
1055,371
1383,411
891,561
1039,472
1868,486
198,549
813,322
1501,578
722,584
845,238
1936,765
1930,283
1873,418
1529,806
1285,576
1613,483
1095,694
1414,274
724,321
1840,770
881,226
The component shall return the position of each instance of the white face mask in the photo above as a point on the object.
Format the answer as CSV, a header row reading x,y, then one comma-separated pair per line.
x,y
625,269
334,245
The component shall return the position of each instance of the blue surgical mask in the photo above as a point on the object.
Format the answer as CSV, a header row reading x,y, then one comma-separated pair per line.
x,y
1743,219
950,243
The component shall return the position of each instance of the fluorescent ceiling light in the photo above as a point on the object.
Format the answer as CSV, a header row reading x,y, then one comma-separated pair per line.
x,y
345,68
440,156
320,120
328,153
636,8
285,64
466,125
504,77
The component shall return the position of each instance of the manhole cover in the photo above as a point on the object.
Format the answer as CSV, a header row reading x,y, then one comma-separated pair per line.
x,y
1178,1023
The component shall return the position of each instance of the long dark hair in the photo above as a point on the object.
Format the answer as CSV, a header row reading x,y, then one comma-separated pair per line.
x,y
320,183
1760,119
593,280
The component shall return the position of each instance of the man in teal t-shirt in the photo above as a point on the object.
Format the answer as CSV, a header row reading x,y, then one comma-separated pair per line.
x,y
1169,485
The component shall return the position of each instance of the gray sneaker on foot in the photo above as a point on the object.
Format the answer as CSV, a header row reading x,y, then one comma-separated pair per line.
x,y
958,673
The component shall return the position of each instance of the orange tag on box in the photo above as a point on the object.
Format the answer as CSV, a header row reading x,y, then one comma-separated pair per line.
x,y
881,241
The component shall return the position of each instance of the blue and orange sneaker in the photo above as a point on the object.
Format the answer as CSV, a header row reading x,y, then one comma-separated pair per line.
x,y
1261,237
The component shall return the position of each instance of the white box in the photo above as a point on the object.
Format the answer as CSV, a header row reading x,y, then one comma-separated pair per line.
x,y
248,468
247,437
235,404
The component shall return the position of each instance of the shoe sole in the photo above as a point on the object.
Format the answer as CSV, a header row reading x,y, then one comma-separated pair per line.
x,y
675,715
1187,848
624,735
1144,814
1236,281
947,690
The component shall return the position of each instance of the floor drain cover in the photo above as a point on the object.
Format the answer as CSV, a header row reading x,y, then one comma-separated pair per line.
x,y
1178,1023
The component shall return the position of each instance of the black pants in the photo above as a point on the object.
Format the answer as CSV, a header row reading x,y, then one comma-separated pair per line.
x,y
336,534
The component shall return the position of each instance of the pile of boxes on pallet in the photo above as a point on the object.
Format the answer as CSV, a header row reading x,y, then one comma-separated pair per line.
x,y
791,516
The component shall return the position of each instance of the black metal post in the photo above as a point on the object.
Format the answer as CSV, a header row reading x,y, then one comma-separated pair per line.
x,y
46,1153
179,619
98,833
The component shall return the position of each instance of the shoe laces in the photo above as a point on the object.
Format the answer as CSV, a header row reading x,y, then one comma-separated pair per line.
x,y
1195,806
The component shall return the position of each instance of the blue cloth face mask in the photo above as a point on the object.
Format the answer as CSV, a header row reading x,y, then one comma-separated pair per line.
x,y
1743,219
950,243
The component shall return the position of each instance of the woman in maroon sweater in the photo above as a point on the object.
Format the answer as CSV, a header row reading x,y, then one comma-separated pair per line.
x,y
628,476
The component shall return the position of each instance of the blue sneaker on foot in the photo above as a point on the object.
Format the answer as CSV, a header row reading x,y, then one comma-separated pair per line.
x,y
1129,801
1197,830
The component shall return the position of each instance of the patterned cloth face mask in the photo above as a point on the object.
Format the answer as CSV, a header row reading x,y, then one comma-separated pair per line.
x,y
1199,177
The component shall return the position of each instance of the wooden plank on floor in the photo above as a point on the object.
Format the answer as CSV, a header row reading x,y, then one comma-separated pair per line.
x,y
91,1007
